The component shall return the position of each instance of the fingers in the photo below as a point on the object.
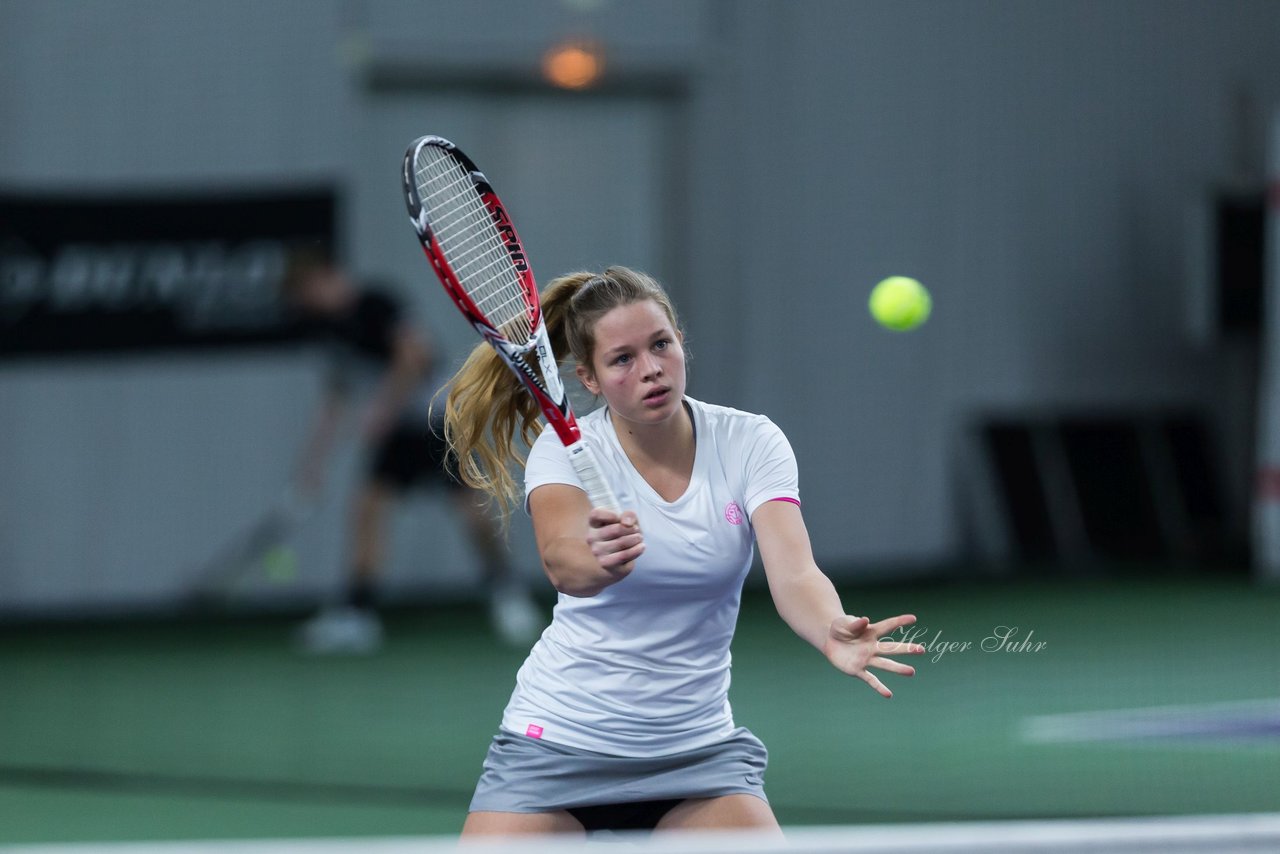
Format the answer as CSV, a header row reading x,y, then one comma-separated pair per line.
x,y
615,539
875,683
600,517
618,551
622,559
892,666
892,624
612,532
897,648
847,628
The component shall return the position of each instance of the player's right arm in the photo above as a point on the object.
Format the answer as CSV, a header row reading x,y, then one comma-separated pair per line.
x,y
583,550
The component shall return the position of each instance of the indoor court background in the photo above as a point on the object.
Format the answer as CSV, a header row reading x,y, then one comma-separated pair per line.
x,y
1076,446
220,730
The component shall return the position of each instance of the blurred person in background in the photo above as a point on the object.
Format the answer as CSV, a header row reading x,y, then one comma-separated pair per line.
x,y
384,365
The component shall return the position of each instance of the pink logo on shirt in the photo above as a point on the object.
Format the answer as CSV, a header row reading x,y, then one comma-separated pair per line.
x,y
534,731
733,513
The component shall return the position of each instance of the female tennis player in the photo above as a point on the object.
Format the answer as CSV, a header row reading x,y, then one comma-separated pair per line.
x,y
620,717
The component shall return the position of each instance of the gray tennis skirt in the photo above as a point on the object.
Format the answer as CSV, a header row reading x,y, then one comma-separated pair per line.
x,y
523,774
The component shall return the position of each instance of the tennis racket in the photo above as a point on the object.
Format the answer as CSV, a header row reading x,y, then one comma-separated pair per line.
x,y
475,251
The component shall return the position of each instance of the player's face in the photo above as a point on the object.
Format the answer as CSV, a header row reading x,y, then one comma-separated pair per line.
x,y
638,363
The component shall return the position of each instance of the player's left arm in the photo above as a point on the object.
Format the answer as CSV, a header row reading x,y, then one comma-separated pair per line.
x,y
807,600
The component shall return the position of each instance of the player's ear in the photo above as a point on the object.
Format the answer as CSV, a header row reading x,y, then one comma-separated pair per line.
x,y
587,379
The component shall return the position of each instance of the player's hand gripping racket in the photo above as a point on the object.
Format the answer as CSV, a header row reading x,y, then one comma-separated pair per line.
x,y
474,249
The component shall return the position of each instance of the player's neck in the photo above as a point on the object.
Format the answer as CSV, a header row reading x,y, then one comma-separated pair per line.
x,y
670,443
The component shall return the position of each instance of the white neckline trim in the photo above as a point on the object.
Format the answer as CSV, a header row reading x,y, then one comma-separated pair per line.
x,y
696,478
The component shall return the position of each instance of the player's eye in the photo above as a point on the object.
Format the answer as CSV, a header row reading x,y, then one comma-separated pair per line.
x,y
622,360
661,344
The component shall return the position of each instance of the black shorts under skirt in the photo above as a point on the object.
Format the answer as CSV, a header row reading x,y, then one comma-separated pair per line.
x,y
415,454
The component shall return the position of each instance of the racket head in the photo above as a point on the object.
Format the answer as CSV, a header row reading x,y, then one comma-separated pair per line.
x,y
471,242
476,253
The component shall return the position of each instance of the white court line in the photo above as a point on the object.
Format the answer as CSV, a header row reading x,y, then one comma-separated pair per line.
x,y
1225,719
1220,834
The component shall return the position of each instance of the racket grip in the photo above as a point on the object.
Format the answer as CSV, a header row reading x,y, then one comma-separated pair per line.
x,y
584,463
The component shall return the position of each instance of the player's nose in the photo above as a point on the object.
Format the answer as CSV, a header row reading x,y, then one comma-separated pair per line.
x,y
650,367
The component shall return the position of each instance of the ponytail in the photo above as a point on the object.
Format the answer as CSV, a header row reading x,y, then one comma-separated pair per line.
x,y
487,406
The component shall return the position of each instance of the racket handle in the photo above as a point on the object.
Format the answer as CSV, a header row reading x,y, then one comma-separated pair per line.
x,y
584,463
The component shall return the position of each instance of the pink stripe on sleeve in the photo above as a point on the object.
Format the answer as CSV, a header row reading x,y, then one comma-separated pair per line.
x,y
794,501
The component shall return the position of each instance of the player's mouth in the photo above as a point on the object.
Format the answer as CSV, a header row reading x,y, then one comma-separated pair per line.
x,y
657,397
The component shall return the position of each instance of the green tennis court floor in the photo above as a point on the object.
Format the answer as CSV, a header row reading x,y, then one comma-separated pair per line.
x,y
218,729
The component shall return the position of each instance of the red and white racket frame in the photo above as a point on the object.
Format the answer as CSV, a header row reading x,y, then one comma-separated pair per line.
x,y
548,389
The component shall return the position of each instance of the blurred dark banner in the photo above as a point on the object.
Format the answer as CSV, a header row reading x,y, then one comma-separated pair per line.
x,y
133,272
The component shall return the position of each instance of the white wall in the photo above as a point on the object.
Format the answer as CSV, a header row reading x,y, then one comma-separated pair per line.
x,y
100,92
1028,161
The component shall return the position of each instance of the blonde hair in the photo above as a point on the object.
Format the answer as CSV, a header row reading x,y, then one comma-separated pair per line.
x,y
487,407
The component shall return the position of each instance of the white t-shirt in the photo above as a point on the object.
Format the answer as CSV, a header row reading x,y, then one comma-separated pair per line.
x,y
642,668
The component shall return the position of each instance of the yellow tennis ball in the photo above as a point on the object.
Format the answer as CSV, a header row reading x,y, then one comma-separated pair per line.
x,y
900,303
280,565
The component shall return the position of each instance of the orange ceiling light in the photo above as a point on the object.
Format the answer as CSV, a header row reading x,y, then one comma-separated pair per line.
x,y
573,65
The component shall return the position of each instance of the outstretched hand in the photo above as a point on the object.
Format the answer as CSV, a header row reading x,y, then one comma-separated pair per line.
x,y
854,643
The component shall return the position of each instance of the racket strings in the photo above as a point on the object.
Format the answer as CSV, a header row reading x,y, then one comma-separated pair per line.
x,y
460,218
471,243
473,248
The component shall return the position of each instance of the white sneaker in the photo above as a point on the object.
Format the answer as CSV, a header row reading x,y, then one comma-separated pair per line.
x,y
514,616
338,631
